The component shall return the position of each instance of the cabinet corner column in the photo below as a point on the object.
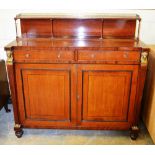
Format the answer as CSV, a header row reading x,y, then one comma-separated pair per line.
x,y
12,87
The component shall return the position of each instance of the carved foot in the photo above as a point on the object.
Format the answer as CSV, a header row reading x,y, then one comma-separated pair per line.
x,y
18,130
134,132
19,133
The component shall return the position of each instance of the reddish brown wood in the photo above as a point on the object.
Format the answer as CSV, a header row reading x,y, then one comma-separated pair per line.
x,y
12,83
108,56
32,28
85,56
140,88
119,28
66,78
74,44
45,94
106,94
80,28
43,55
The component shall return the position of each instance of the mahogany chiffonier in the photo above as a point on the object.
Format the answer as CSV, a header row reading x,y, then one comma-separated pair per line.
x,y
77,72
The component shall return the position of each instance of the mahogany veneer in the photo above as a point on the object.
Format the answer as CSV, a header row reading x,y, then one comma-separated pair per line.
x,y
77,73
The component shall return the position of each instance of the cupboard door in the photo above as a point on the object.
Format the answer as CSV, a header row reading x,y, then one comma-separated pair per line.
x,y
106,95
45,94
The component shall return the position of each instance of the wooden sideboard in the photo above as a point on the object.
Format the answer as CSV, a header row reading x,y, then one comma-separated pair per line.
x,y
69,72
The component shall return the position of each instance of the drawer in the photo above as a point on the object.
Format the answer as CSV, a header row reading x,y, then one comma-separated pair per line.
x,y
109,56
37,56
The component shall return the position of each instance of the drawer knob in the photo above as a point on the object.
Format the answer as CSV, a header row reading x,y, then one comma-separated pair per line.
x,y
27,55
92,55
58,56
125,55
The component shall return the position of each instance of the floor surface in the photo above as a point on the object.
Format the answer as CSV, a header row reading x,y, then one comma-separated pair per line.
x,y
83,137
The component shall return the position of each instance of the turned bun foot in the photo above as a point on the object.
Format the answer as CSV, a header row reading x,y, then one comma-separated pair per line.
x,y
18,130
133,136
19,133
134,132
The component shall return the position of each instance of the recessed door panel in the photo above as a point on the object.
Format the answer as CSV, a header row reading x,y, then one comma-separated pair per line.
x,y
46,94
107,94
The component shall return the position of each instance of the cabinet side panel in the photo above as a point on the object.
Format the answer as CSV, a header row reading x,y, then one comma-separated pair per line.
x,y
12,84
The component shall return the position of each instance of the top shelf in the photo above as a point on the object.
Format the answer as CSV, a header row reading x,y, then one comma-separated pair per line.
x,y
99,26
76,16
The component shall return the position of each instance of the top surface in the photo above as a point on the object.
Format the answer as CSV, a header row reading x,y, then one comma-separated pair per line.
x,y
76,16
76,43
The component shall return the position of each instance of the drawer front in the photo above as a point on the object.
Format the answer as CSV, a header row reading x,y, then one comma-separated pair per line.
x,y
37,56
109,56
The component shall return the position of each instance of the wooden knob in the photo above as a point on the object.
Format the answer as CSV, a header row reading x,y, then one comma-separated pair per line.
x,y
92,55
27,55
125,55
59,55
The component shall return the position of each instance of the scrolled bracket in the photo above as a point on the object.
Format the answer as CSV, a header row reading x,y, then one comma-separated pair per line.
x,y
9,60
144,58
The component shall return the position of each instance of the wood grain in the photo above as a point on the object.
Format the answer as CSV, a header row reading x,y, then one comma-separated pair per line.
x,y
77,73
45,93
104,97
77,28
119,28
32,28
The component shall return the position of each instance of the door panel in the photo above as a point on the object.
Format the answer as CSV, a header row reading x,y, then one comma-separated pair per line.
x,y
106,94
45,94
